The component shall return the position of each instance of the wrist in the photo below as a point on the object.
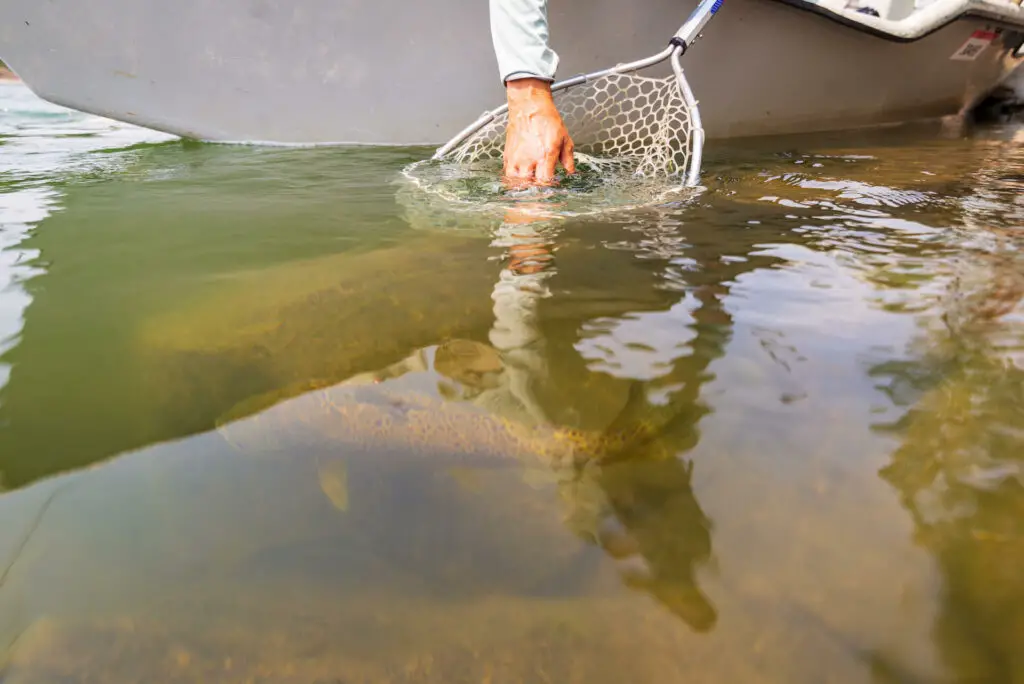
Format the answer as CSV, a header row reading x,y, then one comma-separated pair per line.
x,y
524,92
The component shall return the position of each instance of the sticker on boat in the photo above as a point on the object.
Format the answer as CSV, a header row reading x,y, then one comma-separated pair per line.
x,y
974,46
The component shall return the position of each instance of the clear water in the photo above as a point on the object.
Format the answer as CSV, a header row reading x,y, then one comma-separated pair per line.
x,y
264,419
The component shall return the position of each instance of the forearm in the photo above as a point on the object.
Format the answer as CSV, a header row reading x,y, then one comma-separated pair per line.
x,y
519,30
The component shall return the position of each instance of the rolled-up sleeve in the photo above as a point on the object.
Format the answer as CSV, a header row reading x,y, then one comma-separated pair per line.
x,y
519,29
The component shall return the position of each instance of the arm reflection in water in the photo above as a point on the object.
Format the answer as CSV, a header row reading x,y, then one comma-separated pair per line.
x,y
638,505
636,502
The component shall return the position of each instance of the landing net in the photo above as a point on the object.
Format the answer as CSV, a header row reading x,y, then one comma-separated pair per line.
x,y
638,141
622,123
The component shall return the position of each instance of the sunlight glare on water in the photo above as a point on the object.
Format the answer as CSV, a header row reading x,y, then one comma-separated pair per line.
x,y
270,415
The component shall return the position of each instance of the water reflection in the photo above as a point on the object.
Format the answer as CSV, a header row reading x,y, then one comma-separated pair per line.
x,y
959,469
20,210
323,443
626,489
42,144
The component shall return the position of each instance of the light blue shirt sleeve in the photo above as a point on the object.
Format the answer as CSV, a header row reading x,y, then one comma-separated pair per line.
x,y
519,29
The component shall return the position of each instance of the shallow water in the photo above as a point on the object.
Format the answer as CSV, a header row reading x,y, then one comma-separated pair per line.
x,y
265,417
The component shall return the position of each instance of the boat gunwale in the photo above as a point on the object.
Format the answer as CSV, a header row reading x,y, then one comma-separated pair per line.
x,y
983,10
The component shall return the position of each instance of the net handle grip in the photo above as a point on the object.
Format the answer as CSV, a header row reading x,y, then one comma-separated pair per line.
x,y
695,23
682,39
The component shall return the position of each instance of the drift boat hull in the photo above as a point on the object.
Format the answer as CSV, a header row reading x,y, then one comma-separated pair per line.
x,y
401,73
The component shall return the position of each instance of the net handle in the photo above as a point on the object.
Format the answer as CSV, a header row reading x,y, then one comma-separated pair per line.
x,y
697,129
681,40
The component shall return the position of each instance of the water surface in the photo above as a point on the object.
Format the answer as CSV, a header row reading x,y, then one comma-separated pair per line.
x,y
268,416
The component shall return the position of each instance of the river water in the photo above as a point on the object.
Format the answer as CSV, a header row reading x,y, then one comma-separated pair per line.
x,y
264,418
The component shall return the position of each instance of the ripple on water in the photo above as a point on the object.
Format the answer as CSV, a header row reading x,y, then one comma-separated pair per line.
x,y
834,335
472,196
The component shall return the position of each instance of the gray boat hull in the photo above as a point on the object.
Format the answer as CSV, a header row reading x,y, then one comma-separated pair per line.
x,y
385,72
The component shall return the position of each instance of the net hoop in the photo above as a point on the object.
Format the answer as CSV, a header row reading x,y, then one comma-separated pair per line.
x,y
619,119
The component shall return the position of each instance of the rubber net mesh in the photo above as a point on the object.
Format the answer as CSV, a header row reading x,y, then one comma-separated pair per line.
x,y
622,122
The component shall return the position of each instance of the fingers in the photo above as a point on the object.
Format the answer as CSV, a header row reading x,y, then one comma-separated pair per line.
x,y
546,168
567,156
526,166
543,171
519,175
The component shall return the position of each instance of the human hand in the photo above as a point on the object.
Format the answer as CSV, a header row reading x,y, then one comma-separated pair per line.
x,y
536,139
